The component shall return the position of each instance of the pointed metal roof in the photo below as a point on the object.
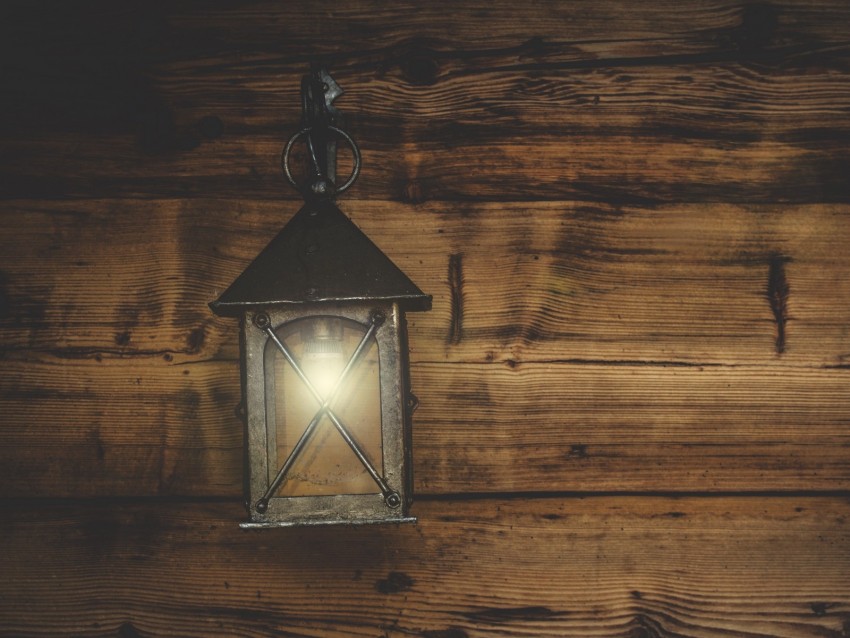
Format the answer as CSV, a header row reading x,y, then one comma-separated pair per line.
x,y
319,256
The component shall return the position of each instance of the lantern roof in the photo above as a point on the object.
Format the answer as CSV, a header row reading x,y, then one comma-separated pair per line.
x,y
319,256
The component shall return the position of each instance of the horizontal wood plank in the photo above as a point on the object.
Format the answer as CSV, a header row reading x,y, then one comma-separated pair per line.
x,y
131,427
597,347
547,281
621,567
600,101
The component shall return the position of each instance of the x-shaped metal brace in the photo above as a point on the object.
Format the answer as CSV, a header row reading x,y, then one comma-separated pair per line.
x,y
391,497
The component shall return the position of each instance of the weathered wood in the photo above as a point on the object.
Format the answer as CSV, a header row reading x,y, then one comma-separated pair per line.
x,y
622,567
633,218
605,101
144,427
602,348
547,281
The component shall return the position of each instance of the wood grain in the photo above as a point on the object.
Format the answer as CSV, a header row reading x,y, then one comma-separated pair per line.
x,y
547,281
622,567
147,427
611,103
599,347
633,218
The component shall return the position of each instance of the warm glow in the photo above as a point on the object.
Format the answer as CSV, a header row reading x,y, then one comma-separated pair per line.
x,y
323,372
323,357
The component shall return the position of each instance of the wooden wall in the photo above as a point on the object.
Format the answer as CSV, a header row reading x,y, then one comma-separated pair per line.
x,y
634,383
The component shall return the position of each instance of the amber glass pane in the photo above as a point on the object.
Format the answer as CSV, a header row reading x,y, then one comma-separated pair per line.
x,y
322,346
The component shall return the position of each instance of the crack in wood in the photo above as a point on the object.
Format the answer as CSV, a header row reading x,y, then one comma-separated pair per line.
x,y
456,291
450,632
778,291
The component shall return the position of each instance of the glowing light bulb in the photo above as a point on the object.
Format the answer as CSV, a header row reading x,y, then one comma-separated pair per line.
x,y
323,356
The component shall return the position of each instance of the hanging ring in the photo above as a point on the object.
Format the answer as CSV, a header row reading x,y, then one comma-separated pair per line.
x,y
284,158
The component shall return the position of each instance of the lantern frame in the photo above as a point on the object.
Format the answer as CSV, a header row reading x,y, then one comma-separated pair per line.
x,y
396,408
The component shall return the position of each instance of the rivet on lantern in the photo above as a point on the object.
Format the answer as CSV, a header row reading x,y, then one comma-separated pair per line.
x,y
325,372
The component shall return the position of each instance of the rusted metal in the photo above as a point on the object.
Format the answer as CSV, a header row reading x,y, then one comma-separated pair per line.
x,y
319,256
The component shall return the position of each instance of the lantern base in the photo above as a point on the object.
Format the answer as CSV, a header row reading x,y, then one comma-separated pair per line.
x,y
339,521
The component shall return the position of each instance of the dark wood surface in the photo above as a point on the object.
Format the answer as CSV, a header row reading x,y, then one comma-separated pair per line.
x,y
599,348
597,566
633,218
600,101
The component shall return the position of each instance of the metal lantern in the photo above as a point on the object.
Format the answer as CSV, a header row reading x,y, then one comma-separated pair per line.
x,y
327,401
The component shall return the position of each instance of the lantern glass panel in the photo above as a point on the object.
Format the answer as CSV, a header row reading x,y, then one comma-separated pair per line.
x,y
322,346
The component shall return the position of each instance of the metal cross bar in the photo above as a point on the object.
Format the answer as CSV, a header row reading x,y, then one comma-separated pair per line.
x,y
390,496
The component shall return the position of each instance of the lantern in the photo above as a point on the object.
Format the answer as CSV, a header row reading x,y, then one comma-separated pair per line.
x,y
326,394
